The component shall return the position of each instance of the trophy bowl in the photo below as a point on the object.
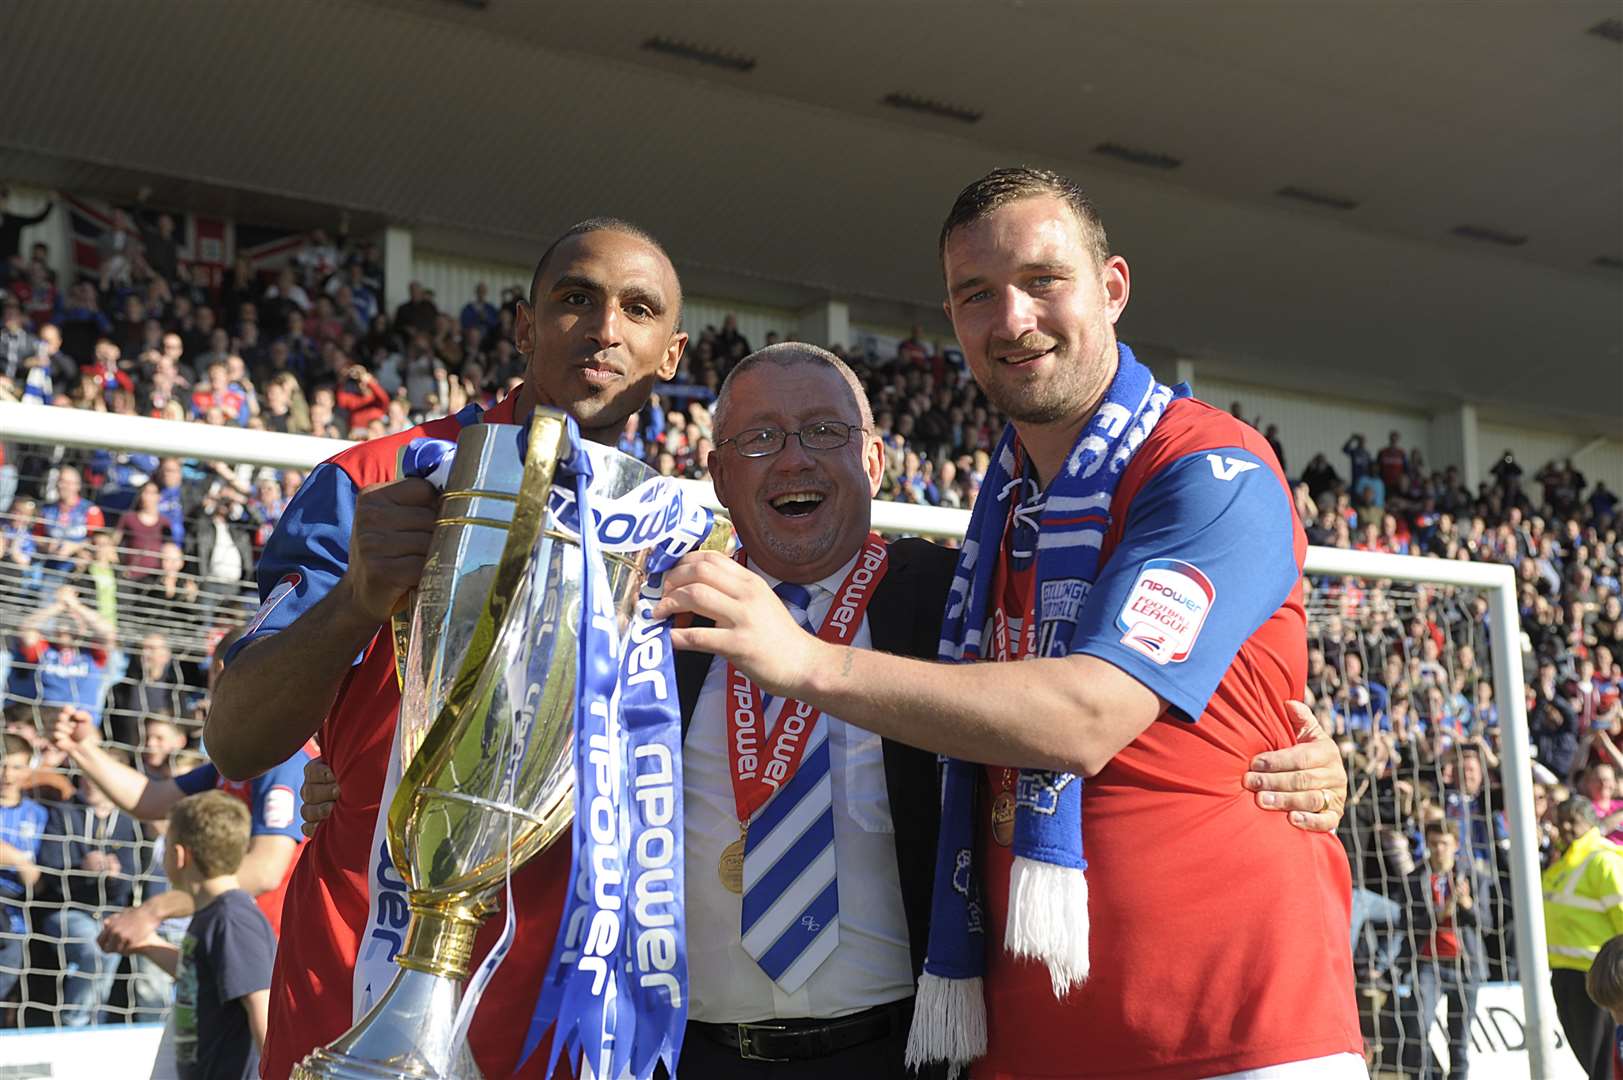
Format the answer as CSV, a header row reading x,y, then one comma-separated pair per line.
x,y
486,653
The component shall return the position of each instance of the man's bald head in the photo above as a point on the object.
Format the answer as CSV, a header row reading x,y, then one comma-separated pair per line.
x,y
604,224
787,354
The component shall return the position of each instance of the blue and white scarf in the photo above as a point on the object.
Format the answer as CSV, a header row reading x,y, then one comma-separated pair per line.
x,y
1061,527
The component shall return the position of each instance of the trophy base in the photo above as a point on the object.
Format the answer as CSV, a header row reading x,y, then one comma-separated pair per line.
x,y
406,1036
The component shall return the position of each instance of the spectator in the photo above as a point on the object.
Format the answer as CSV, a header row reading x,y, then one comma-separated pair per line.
x,y
22,826
417,315
479,313
1447,912
1391,463
18,345
1358,458
361,396
1272,435
156,686
19,548
142,532
169,590
1599,786
223,546
219,392
1604,984
224,969
734,346
163,741
1582,912
71,667
1365,703
64,526
88,862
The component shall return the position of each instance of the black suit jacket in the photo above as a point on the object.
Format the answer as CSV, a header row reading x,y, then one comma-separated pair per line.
x,y
904,617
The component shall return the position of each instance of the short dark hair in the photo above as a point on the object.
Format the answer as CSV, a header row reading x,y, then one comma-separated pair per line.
x,y
1000,187
602,224
1605,979
16,744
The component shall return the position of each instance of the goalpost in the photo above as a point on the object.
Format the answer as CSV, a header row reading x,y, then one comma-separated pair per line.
x,y
1340,581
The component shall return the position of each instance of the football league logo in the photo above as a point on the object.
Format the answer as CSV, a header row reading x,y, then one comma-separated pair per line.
x,y
283,587
1165,610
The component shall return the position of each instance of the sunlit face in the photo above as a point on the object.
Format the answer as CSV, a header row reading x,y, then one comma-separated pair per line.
x,y
1033,309
1441,848
14,770
1600,784
806,538
603,327
162,740
1569,827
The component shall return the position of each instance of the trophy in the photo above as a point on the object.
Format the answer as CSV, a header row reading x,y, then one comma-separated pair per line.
x,y
486,654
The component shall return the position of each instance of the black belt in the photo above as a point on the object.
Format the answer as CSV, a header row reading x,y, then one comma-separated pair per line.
x,y
799,1040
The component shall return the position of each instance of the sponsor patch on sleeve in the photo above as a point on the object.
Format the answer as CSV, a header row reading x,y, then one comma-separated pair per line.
x,y
278,808
1165,610
288,583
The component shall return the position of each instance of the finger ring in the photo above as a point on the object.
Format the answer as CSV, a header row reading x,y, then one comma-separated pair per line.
x,y
1324,793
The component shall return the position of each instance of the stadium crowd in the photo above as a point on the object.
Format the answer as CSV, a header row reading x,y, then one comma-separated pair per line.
x,y
119,573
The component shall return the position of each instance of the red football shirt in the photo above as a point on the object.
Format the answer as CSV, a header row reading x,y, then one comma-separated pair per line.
x,y
326,903
1218,930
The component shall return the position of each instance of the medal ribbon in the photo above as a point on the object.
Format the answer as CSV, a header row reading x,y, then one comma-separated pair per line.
x,y
757,776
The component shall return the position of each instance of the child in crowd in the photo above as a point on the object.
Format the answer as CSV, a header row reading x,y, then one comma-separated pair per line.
x,y
22,826
223,969
1605,985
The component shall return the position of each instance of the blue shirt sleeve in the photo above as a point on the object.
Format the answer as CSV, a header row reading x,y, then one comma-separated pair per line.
x,y
307,553
203,778
1207,556
276,800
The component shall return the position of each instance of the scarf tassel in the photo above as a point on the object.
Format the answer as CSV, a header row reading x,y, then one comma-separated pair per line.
x,y
949,1023
1048,919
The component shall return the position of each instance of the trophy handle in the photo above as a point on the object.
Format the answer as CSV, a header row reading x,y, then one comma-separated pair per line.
x,y
547,445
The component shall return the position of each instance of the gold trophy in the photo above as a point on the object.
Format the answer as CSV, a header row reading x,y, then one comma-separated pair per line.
x,y
500,598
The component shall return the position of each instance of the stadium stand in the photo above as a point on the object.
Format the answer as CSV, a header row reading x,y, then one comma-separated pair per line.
x,y
119,572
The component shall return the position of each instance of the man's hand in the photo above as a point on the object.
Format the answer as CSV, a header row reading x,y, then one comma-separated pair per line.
x,y
319,793
388,544
125,931
74,731
1308,779
753,629
1462,893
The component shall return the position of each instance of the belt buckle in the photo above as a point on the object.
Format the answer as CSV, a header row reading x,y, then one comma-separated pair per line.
x,y
746,1042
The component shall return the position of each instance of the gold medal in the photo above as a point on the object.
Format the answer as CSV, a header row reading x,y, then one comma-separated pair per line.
x,y
731,867
1003,818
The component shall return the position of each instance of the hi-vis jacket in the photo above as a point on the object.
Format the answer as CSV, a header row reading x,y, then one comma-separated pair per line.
x,y
1583,900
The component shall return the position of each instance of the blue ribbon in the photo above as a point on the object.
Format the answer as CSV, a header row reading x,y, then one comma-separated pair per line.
x,y
615,990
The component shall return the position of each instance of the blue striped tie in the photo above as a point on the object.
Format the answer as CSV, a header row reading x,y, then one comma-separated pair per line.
x,y
791,917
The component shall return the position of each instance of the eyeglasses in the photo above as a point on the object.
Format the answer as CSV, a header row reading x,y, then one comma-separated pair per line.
x,y
764,442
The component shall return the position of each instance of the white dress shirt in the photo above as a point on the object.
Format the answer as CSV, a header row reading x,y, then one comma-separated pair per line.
x,y
872,965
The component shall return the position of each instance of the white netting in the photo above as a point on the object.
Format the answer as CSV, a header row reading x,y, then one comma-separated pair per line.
x,y
123,625
1402,674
